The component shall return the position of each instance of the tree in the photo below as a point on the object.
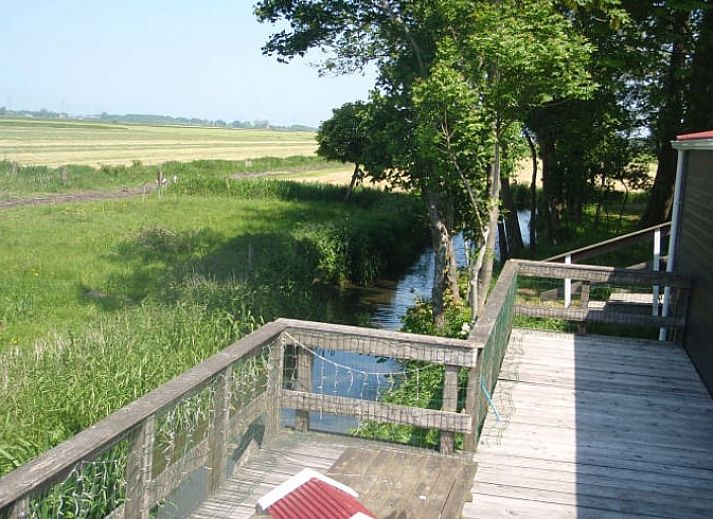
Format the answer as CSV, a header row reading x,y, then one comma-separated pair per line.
x,y
454,76
344,138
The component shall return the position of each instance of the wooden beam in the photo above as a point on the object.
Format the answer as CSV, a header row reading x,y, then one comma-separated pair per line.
x,y
450,403
600,316
611,245
138,471
377,411
305,361
597,274
382,343
218,432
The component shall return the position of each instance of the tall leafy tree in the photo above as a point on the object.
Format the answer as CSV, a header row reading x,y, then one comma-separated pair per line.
x,y
454,76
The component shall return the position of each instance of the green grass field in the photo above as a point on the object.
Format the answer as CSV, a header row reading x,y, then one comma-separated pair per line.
x,y
59,142
102,301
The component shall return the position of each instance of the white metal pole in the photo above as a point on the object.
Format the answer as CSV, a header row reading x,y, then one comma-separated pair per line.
x,y
567,284
673,238
656,267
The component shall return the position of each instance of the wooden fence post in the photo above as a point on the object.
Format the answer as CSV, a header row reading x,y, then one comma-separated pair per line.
x,y
218,446
656,264
138,471
21,509
305,361
450,403
274,411
584,300
472,405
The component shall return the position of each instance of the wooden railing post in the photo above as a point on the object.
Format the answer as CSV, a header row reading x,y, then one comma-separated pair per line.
x,y
584,300
472,405
21,509
218,434
138,471
450,403
276,366
304,383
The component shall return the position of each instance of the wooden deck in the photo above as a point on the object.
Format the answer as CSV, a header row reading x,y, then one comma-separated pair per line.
x,y
595,427
392,481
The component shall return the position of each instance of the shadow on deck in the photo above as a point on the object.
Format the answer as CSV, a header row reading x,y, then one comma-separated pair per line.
x,y
595,427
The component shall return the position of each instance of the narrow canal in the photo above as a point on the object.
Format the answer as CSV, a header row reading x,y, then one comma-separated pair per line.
x,y
381,305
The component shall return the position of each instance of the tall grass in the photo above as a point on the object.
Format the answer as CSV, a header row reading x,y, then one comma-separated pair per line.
x,y
119,297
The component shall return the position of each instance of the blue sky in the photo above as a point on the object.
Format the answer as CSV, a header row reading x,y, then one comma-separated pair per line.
x,y
179,57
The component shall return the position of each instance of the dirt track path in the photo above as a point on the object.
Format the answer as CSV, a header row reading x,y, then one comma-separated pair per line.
x,y
88,196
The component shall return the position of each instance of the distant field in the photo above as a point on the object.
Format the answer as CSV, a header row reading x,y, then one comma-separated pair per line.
x,y
59,142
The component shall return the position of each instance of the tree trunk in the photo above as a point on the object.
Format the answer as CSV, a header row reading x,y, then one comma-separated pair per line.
x,y
452,259
546,151
440,235
533,192
512,222
700,112
486,271
503,242
669,124
352,184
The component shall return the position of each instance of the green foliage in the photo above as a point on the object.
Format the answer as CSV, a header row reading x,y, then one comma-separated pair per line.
x,y
343,137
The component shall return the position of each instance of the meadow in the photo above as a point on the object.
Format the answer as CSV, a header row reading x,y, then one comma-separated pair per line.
x,y
60,142
101,302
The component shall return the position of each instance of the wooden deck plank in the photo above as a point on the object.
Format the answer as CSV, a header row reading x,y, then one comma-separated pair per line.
x,y
595,427
384,475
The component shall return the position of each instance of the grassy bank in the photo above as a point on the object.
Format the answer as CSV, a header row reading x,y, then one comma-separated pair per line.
x,y
101,302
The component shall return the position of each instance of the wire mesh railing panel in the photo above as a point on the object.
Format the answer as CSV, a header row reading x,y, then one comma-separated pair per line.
x,y
94,488
374,396
495,348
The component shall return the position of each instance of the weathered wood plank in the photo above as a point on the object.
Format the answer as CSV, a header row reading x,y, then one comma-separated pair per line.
x,y
219,430
305,361
450,403
599,316
595,427
138,471
59,461
382,343
378,411
598,274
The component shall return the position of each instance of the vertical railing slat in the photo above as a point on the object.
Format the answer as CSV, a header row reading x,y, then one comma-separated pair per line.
x,y
304,383
218,434
450,403
138,471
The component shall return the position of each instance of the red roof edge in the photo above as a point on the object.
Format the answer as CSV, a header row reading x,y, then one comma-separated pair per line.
x,y
695,136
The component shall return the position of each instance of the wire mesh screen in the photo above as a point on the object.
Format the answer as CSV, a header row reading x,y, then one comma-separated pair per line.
x,y
370,395
172,460
495,347
93,489
203,439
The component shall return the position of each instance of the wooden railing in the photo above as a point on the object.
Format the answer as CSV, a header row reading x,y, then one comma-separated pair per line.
x,y
655,233
606,295
221,408
206,419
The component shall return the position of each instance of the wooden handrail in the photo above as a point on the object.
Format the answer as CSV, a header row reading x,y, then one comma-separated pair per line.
x,y
600,274
56,463
135,421
610,245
